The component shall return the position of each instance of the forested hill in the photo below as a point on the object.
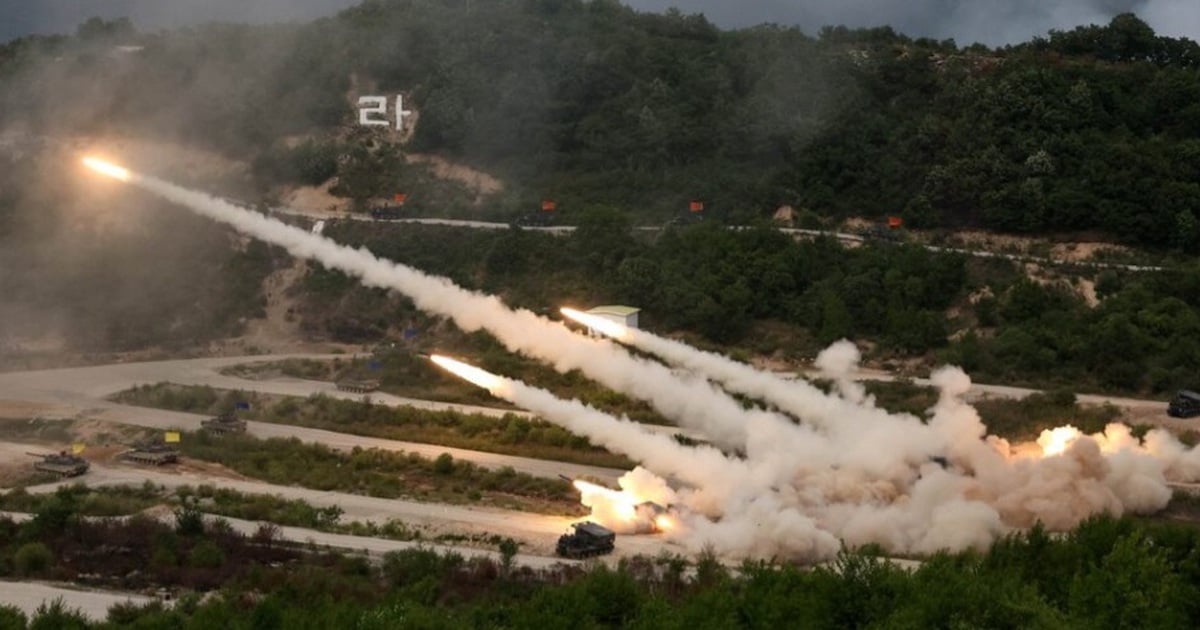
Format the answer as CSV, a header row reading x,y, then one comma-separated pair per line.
x,y
1096,129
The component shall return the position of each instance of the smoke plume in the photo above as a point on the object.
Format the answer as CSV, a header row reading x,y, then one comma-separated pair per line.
x,y
693,402
848,472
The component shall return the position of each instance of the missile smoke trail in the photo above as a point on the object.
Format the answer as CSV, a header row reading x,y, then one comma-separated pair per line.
x,y
726,497
626,436
693,402
796,397
850,472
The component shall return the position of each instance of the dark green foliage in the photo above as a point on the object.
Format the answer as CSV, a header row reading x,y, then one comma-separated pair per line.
x,y
12,618
1107,573
32,559
594,103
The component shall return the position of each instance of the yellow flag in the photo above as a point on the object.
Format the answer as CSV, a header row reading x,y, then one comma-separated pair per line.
x,y
172,436
78,447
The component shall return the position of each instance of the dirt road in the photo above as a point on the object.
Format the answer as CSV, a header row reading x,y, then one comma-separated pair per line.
x,y
94,605
539,531
79,393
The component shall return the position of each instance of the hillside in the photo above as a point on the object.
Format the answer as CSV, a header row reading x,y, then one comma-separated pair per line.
x,y
593,103
622,117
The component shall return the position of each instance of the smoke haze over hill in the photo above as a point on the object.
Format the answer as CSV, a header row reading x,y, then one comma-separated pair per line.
x,y
967,21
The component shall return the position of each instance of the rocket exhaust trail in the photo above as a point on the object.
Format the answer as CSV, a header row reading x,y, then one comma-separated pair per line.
x,y
878,486
796,397
697,466
694,403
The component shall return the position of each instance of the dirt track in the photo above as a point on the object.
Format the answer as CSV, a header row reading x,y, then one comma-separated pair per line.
x,y
76,393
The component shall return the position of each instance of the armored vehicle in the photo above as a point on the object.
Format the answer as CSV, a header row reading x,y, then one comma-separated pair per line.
x,y
62,464
589,539
152,453
224,423
357,387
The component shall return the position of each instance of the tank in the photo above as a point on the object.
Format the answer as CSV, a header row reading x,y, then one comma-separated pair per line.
x,y
589,539
62,464
357,387
152,453
224,423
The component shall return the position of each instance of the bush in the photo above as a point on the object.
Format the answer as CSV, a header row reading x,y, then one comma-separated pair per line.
x,y
444,464
33,558
11,618
57,616
206,555
189,521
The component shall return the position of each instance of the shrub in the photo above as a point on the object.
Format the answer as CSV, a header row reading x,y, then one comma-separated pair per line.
x,y
33,558
206,555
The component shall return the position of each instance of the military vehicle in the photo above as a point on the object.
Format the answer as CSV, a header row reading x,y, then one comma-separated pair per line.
x,y
589,539
1185,404
152,453
63,464
387,213
357,387
224,423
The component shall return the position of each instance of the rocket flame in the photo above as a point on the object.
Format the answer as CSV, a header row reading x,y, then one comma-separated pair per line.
x,y
623,510
470,373
605,327
1056,441
107,168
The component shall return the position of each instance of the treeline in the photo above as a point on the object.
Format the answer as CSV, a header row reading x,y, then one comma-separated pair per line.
x,y
593,102
759,291
1106,574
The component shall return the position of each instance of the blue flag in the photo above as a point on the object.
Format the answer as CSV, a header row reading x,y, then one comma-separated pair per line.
x,y
374,365
243,405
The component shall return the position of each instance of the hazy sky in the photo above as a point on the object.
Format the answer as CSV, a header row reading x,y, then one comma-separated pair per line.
x,y
967,21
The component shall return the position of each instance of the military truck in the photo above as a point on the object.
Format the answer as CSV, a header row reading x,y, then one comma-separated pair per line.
x,y
589,539
152,453
357,387
224,423
63,464
1185,404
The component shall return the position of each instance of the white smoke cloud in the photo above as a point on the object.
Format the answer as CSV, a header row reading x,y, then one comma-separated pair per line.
x,y
848,471
691,401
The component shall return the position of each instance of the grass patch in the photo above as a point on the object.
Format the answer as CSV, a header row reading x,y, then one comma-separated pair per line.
x,y
509,435
1024,419
37,430
114,501
1013,419
385,474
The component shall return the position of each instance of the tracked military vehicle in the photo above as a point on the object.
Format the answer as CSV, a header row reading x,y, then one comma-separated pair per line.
x,y
589,539
357,387
152,453
224,423
62,464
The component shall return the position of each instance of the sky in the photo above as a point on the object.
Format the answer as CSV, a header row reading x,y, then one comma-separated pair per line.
x,y
992,22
